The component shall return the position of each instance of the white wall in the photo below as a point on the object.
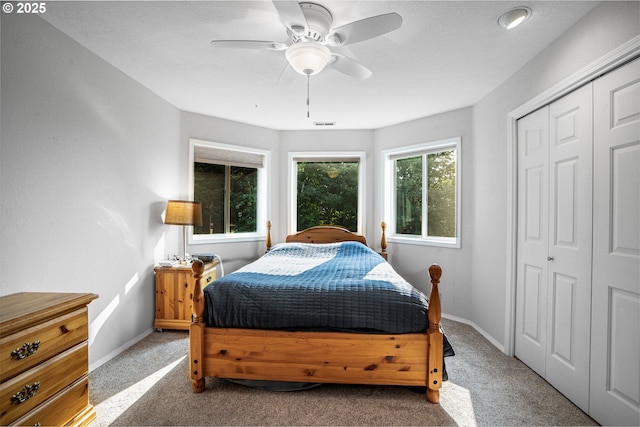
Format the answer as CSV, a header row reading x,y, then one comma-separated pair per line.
x,y
605,28
412,261
88,162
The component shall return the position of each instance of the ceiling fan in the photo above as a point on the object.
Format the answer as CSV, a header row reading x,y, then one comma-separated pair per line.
x,y
309,30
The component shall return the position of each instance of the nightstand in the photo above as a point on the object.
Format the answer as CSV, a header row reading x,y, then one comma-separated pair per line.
x,y
174,294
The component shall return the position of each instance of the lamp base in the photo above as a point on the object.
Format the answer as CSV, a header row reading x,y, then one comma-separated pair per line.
x,y
185,256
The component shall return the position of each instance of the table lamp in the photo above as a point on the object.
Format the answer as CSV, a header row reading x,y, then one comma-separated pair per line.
x,y
185,213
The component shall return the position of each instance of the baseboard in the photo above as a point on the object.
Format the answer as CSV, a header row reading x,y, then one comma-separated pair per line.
x,y
120,349
477,328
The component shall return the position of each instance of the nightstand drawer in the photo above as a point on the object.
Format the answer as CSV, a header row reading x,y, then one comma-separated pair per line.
x,y
27,348
62,408
23,393
207,278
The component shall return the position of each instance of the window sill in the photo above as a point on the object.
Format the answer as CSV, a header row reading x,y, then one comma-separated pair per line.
x,y
441,243
226,238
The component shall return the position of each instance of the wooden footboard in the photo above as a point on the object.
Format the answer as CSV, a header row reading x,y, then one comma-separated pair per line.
x,y
330,357
322,357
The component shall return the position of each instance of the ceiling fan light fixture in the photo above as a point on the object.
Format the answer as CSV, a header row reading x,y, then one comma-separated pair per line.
x,y
514,17
308,58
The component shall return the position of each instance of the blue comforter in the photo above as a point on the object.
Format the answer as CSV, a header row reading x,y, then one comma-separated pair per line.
x,y
297,286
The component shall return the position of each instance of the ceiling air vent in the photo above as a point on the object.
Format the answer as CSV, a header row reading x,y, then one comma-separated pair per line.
x,y
324,123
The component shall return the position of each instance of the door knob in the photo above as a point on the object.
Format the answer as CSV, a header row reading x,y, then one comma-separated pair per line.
x,y
549,258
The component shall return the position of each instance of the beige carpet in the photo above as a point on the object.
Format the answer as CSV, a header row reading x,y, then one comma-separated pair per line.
x,y
149,385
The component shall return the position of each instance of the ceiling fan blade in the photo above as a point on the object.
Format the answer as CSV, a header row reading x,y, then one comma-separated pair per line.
x,y
249,44
287,75
364,29
349,66
291,15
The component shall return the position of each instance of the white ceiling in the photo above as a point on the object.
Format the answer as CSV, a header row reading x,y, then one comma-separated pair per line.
x,y
446,55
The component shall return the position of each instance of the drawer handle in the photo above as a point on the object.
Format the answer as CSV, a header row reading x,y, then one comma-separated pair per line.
x,y
209,279
26,393
26,350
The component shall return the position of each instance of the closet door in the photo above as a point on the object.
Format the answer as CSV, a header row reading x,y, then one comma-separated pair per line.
x,y
615,349
553,291
570,245
533,239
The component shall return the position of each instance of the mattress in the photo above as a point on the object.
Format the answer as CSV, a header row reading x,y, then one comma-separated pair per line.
x,y
342,286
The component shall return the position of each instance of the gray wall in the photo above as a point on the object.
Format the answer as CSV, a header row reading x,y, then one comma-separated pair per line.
x,y
602,30
236,254
412,261
88,158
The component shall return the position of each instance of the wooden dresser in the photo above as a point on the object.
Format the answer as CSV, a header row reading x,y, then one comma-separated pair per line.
x,y
44,359
174,293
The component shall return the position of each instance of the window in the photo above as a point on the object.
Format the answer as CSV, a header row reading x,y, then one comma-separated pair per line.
x,y
230,183
326,189
422,193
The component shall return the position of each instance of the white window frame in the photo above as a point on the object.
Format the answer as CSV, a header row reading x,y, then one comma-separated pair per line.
x,y
330,156
263,201
389,197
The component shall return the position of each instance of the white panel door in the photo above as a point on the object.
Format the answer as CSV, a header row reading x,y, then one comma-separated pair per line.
x,y
533,239
553,271
570,244
615,349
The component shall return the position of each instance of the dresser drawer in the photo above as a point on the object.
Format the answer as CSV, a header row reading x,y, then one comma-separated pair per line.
x,y
63,408
36,385
29,347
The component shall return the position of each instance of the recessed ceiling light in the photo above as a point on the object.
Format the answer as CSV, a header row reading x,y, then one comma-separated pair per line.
x,y
514,17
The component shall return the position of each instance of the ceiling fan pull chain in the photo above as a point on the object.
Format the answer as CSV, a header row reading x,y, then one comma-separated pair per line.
x,y
308,77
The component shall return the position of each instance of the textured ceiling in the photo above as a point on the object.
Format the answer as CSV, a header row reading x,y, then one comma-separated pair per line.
x,y
446,55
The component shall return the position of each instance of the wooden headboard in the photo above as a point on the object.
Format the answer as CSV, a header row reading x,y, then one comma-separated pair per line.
x,y
328,234
325,234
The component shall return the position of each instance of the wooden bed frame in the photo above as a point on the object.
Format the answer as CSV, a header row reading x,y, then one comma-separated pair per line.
x,y
413,359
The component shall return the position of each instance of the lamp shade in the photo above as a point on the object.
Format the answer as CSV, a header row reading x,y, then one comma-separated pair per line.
x,y
308,58
180,212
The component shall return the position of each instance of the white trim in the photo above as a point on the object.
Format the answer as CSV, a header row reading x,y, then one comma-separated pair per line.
x,y
329,156
606,63
389,194
226,238
443,242
119,350
477,328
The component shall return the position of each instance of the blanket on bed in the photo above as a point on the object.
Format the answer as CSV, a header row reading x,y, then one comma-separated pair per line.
x,y
297,286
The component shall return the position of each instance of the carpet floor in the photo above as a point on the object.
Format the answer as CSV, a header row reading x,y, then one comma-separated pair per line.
x,y
148,384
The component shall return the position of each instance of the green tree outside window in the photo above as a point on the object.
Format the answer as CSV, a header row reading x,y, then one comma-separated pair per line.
x,y
327,194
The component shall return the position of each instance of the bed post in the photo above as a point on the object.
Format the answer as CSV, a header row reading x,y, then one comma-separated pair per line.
x,y
268,236
434,333
383,240
196,330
